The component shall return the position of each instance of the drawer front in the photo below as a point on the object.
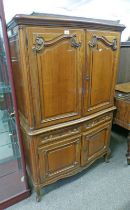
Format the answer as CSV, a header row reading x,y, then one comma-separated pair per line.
x,y
59,134
59,158
97,121
95,142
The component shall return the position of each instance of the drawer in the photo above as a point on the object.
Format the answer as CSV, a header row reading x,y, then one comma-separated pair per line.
x,y
97,121
58,158
59,134
95,142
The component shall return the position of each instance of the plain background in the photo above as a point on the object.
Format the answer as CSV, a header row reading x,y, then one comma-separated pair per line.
x,y
100,9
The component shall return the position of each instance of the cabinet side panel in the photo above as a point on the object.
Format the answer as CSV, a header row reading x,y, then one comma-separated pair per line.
x,y
21,75
30,157
122,114
18,75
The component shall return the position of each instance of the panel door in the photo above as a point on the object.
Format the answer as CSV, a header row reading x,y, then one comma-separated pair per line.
x,y
95,142
59,158
102,50
56,62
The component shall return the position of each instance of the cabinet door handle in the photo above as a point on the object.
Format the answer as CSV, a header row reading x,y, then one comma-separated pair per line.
x,y
74,43
87,77
40,43
104,40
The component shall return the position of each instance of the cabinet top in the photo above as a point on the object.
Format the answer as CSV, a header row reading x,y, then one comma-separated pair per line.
x,y
123,87
41,19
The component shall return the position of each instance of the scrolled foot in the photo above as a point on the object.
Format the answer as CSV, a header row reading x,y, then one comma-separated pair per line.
x,y
107,156
106,159
38,198
38,194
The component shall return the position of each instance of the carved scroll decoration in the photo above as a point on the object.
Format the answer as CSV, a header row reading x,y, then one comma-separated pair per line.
x,y
96,38
40,43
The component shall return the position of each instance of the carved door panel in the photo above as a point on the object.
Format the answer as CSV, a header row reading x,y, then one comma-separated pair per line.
x,y
102,50
94,142
59,158
56,61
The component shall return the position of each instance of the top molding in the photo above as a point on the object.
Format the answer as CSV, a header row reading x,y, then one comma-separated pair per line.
x,y
41,19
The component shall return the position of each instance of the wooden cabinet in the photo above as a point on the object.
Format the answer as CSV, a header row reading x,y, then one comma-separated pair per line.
x,y
122,114
64,71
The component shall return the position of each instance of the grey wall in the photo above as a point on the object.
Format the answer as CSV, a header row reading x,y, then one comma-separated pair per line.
x,y
124,65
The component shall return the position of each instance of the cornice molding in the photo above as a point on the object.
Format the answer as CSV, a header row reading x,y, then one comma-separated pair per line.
x,y
65,21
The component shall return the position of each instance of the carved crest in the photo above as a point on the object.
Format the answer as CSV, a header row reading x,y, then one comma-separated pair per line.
x,y
103,39
40,43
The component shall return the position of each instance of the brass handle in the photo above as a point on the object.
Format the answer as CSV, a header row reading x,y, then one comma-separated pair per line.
x,y
40,43
103,39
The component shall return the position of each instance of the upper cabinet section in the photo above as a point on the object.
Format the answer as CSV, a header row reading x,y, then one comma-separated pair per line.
x,y
66,67
56,66
102,50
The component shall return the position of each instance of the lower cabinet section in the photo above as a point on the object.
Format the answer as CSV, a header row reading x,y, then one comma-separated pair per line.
x,y
59,157
94,143
60,153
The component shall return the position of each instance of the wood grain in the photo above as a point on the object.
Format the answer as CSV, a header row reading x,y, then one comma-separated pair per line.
x,y
101,68
56,77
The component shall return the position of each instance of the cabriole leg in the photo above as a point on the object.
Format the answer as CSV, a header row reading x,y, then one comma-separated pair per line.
x,y
38,193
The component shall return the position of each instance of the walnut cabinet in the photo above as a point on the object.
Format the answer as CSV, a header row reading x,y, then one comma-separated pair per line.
x,y
64,71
